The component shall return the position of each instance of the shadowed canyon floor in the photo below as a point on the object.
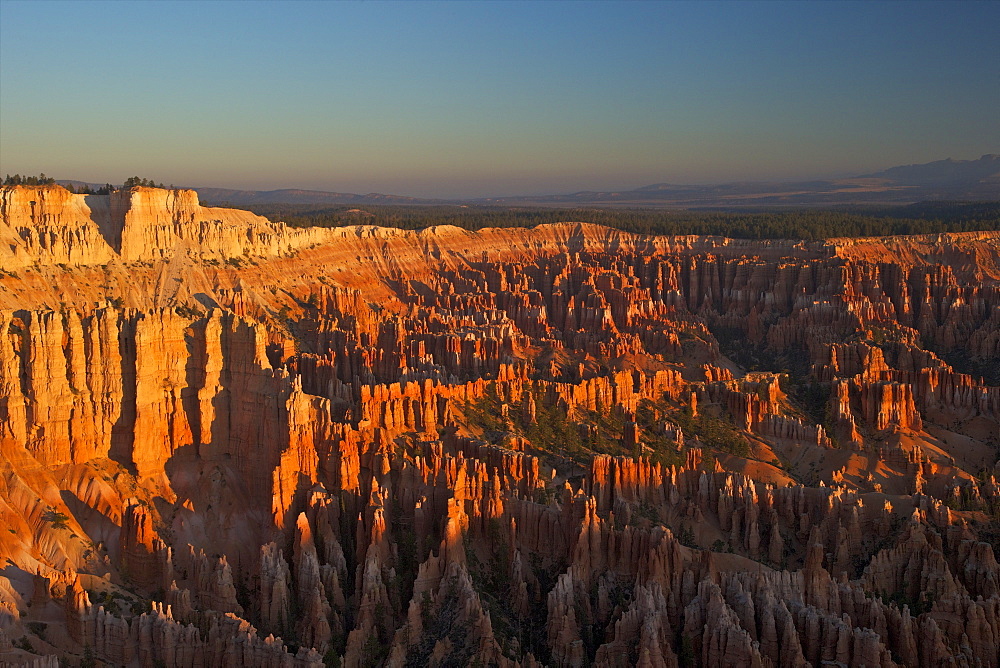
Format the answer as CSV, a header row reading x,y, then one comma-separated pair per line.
x,y
224,442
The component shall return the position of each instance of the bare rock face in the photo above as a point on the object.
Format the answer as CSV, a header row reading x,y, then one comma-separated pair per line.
x,y
50,225
225,442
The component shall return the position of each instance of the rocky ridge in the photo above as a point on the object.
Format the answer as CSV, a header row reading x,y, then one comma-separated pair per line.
x,y
226,442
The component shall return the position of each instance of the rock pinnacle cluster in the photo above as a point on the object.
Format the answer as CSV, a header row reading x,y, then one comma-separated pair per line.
x,y
226,442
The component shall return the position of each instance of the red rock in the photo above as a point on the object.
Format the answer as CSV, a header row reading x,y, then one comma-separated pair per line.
x,y
300,430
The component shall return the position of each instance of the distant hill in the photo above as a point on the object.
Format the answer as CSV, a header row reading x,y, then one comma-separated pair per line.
x,y
944,179
962,173
940,180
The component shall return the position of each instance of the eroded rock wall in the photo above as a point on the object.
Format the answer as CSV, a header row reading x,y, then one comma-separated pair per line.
x,y
559,446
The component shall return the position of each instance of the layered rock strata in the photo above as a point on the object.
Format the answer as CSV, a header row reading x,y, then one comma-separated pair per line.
x,y
225,442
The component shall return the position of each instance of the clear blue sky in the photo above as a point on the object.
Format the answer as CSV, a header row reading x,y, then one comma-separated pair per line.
x,y
479,98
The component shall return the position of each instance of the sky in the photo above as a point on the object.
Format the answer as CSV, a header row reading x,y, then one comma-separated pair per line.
x,y
469,99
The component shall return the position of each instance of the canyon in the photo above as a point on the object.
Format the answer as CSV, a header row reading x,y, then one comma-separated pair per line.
x,y
227,442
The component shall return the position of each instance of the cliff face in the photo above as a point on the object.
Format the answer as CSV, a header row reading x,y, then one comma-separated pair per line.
x,y
49,225
229,443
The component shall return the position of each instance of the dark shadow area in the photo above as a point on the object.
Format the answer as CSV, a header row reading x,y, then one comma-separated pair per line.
x,y
194,378
205,300
123,430
109,216
576,240
86,516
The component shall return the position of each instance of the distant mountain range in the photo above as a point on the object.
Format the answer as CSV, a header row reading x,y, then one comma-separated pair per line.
x,y
940,180
958,173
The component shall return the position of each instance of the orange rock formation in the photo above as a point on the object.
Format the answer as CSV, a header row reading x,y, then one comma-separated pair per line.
x,y
226,442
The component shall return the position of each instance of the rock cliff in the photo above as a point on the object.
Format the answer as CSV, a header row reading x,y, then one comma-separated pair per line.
x,y
225,442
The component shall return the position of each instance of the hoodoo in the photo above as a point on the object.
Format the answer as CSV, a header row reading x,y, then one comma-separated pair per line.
x,y
227,442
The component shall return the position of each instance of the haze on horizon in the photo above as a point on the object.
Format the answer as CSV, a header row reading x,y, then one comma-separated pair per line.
x,y
491,99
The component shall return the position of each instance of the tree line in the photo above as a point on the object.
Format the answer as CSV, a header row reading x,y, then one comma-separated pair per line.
x,y
83,189
809,224
18,180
